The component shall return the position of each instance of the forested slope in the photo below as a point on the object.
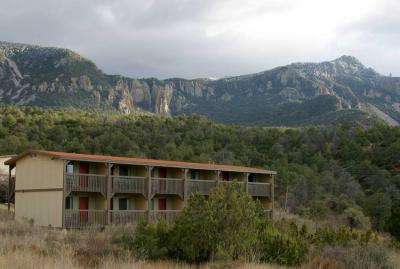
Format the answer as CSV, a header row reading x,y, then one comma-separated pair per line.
x,y
326,170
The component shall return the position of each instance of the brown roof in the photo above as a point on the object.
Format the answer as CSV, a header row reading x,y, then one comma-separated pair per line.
x,y
138,161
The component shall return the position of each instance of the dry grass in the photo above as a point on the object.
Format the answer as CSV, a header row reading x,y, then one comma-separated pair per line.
x,y
24,246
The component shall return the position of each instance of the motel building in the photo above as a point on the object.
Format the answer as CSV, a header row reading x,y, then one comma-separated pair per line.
x,y
69,190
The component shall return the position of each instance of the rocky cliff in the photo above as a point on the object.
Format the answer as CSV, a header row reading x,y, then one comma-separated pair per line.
x,y
296,94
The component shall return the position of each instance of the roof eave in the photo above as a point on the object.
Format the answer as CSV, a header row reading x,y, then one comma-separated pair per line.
x,y
12,162
167,165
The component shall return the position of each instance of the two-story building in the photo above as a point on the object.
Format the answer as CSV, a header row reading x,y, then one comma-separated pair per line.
x,y
70,190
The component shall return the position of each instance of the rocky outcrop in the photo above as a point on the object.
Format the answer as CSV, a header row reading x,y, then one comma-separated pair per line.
x,y
32,75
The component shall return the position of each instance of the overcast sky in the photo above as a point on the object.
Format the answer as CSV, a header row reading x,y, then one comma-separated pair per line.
x,y
209,38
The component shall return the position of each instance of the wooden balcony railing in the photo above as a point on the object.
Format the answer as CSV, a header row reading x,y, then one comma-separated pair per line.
x,y
259,189
120,217
167,186
85,183
201,186
122,184
167,215
84,218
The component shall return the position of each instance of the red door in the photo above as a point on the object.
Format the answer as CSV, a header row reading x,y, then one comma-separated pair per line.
x,y
162,205
162,173
83,209
83,179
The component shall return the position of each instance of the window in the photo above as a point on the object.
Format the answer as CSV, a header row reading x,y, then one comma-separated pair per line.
x,y
225,176
124,170
252,178
123,203
70,168
194,174
69,202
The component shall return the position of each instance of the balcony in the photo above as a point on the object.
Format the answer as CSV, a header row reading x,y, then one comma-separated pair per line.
x,y
167,215
201,186
259,189
85,183
84,218
167,186
125,184
121,217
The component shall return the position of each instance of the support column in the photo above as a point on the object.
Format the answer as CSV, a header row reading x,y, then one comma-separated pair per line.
x,y
185,184
149,194
64,193
272,197
246,180
9,188
109,192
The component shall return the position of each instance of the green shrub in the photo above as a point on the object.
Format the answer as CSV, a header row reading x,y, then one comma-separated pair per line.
x,y
149,241
359,257
392,225
193,236
281,248
343,236
226,224
328,236
355,218
238,217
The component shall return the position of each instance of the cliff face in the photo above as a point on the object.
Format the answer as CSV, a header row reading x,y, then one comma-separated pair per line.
x,y
296,94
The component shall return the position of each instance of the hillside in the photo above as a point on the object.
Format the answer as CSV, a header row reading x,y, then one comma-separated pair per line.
x,y
342,90
326,170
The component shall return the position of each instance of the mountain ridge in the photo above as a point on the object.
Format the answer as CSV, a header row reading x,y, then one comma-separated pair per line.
x,y
282,96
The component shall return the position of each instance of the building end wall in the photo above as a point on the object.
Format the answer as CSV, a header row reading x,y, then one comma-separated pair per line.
x,y
43,207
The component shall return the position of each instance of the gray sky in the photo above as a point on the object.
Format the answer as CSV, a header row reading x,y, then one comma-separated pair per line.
x,y
208,38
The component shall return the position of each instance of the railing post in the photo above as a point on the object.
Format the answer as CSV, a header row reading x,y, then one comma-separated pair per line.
x,y
149,169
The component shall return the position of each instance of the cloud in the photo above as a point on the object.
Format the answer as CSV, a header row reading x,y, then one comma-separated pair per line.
x,y
204,38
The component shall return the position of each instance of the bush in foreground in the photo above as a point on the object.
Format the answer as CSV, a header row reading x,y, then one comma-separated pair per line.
x,y
149,241
228,225
281,248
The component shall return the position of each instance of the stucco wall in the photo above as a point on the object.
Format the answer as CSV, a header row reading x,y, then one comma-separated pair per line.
x,y
173,202
207,175
134,170
171,172
136,202
45,208
96,201
39,172
262,178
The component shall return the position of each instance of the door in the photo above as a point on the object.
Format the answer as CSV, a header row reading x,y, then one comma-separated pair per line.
x,y
225,176
162,182
162,206
84,179
83,209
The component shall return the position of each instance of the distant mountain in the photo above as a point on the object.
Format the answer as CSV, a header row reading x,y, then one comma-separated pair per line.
x,y
342,90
